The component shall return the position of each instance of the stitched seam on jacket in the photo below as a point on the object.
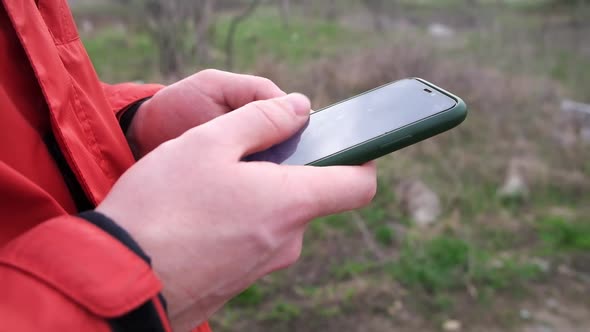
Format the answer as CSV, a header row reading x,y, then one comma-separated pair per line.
x,y
64,18
84,120
57,43
43,85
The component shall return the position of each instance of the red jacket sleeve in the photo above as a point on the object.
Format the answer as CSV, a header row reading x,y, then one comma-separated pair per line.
x,y
120,96
68,275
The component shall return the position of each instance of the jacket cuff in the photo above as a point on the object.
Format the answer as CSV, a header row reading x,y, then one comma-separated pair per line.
x,y
128,114
110,227
113,229
85,264
121,96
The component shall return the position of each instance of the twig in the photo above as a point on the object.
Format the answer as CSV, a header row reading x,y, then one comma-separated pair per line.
x,y
233,27
367,237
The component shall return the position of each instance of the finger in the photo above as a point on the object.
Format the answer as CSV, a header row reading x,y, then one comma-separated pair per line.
x,y
334,189
236,90
260,124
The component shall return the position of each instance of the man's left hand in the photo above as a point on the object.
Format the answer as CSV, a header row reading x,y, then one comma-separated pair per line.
x,y
191,102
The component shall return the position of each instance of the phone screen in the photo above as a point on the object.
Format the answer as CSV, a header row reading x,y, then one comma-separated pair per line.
x,y
357,120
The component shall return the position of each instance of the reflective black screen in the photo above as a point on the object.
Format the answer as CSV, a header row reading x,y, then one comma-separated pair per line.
x,y
358,120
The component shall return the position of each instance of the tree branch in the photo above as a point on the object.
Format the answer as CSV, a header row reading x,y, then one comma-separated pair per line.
x,y
233,27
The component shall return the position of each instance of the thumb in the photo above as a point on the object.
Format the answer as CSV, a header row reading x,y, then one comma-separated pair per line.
x,y
261,124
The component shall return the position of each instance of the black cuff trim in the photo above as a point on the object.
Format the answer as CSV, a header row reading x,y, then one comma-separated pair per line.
x,y
144,318
129,114
106,224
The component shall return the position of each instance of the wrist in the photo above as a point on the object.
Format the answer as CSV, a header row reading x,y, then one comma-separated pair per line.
x,y
132,124
110,227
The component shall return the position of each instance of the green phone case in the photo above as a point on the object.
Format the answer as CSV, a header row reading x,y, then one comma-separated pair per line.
x,y
399,138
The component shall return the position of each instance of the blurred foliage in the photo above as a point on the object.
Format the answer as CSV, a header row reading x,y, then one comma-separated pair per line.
x,y
434,265
562,235
264,36
251,296
350,269
120,58
281,311
447,263
384,235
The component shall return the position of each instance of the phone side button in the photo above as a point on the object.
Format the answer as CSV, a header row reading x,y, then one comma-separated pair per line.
x,y
398,141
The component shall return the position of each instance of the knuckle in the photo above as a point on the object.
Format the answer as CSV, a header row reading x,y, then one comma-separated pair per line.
x,y
271,112
266,82
207,73
264,240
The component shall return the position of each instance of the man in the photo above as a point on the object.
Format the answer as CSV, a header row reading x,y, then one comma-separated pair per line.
x,y
80,219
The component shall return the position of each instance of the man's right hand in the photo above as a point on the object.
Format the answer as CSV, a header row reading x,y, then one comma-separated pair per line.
x,y
213,224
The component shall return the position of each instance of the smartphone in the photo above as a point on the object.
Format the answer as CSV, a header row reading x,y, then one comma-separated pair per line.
x,y
370,125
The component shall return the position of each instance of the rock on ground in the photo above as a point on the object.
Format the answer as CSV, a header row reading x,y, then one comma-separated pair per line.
x,y
419,201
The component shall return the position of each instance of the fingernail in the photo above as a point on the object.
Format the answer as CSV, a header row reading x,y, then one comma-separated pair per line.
x,y
300,103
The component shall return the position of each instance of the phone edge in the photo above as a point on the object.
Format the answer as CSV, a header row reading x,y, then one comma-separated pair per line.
x,y
402,137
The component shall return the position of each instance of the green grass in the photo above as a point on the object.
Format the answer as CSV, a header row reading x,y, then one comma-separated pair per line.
x,y
558,195
447,264
250,297
384,235
281,312
120,56
350,269
480,198
496,239
383,206
329,312
338,221
505,273
560,235
433,266
264,36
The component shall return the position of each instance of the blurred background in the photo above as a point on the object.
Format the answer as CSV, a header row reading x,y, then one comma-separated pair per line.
x,y
484,228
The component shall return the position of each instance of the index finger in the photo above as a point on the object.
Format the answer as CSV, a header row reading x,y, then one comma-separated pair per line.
x,y
236,90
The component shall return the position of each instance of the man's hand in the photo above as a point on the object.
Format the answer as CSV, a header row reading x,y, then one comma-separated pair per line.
x,y
191,102
214,224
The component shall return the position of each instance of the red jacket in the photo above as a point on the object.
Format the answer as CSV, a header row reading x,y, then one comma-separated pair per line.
x,y
57,271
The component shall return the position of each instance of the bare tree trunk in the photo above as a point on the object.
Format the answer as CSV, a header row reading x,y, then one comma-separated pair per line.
x,y
202,21
233,28
170,62
166,28
285,9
